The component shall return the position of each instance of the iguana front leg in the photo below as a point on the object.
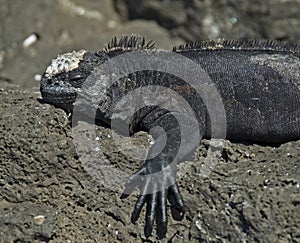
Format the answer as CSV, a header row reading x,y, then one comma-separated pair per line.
x,y
156,179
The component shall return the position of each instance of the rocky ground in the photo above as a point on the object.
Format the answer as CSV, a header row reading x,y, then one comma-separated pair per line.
x,y
48,194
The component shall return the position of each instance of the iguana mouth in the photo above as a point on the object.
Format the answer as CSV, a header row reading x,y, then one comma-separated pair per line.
x,y
58,93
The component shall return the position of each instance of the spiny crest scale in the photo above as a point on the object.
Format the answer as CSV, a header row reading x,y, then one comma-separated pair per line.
x,y
64,63
221,44
128,43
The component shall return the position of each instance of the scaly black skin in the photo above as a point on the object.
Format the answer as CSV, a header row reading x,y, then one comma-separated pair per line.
x,y
259,83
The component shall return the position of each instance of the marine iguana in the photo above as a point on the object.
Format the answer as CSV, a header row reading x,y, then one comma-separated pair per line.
x,y
258,81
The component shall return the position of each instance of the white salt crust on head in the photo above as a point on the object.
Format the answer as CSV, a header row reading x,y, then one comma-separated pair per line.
x,y
64,63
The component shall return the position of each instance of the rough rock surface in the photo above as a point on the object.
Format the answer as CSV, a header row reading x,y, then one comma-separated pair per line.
x,y
46,192
252,194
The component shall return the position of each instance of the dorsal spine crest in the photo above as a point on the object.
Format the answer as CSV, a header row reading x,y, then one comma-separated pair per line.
x,y
128,43
260,45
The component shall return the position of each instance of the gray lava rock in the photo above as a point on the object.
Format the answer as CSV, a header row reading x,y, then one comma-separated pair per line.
x,y
48,191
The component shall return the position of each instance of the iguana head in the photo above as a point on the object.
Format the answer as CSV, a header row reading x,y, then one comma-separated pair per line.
x,y
64,77
81,76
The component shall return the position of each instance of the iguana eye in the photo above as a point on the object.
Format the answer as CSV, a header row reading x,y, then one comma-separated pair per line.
x,y
75,77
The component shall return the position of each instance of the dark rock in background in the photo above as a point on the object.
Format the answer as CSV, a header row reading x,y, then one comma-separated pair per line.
x,y
65,25
229,19
46,192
